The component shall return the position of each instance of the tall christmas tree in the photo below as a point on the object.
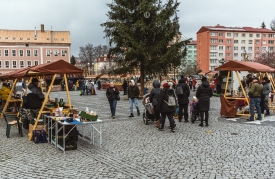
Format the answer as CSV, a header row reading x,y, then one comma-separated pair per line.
x,y
144,36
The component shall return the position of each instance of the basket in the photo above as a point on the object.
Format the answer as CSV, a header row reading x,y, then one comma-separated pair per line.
x,y
91,118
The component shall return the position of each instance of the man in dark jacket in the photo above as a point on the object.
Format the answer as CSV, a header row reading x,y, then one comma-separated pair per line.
x,y
133,94
154,96
183,99
163,107
204,93
35,97
125,86
255,92
265,95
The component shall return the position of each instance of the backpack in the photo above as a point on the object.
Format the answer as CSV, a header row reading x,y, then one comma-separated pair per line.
x,y
179,90
171,100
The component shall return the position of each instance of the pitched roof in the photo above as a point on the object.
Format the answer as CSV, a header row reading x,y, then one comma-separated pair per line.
x,y
234,29
244,66
34,36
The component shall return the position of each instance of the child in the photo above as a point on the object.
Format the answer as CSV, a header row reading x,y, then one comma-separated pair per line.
x,y
192,104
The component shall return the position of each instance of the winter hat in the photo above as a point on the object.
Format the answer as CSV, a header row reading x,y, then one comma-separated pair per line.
x,y
170,83
165,85
133,82
265,78
195,98
204,79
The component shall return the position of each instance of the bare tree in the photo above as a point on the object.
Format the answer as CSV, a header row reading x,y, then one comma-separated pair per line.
x,y
272,24
266,58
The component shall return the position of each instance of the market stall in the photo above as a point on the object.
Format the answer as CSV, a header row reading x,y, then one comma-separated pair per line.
x,y
53,68
228,100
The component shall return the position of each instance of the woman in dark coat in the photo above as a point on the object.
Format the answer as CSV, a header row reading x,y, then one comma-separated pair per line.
x,y
163,107
154,96
112,93
204,93
124,86
183,99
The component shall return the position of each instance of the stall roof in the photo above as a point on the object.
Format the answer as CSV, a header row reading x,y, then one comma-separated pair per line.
x,y
56,67
11,74
244,66
105,76
92,76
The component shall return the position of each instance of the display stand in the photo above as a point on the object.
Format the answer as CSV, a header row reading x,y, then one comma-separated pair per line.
x,y
238,66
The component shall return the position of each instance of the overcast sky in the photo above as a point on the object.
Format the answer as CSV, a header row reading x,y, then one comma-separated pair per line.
x,y
83,17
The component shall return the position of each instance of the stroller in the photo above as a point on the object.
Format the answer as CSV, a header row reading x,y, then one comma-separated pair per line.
x,y
148,114
195,111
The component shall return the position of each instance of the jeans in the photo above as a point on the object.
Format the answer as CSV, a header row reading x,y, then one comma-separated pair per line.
x,y
185,113
131,102
113,107
170,117
255,102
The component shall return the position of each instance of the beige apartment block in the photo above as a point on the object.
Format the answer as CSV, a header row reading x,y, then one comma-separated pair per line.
x,y
26,48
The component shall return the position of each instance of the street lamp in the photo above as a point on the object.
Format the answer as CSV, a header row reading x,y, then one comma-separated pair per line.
x,y
93,68
88,68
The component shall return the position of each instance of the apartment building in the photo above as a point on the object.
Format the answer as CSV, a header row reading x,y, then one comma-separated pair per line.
x,y
191,52
25,48
217,43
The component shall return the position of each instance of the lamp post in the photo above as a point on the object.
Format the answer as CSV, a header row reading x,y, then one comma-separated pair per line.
x,y
88,68
93,68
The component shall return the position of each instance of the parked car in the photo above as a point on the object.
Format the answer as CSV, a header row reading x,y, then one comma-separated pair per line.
x,y
197,77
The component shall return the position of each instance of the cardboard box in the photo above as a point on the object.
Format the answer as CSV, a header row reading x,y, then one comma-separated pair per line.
x,y
38,127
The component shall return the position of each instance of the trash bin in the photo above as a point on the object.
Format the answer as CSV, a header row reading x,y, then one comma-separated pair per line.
x,y
145,90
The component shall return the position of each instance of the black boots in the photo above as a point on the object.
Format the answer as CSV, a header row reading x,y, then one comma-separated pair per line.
x,y
267,113
138,113
132,115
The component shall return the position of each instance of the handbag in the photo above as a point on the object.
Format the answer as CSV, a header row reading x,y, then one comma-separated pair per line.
x,y
117,97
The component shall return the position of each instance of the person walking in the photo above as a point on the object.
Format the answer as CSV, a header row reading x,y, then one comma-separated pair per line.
x,y
99,84
124,86
112,94
194,82
183,99
153,97
164,108
133,94
265,95
204,93
254,94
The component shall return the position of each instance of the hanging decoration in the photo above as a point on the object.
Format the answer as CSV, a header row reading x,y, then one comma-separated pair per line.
x,y
146,14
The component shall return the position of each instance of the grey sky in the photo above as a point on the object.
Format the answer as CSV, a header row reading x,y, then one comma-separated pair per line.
x,y
83,17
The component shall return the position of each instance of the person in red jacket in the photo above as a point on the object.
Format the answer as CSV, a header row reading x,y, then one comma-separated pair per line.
x,y
194,82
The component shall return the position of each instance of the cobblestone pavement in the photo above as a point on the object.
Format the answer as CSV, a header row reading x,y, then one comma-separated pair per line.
x,y
226,149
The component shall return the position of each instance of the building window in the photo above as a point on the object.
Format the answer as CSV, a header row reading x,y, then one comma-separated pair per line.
x,y
264,42
271,42
0,64
264,35
250,41
264,49
212,47
235,34
271,35
257,48
228,48
220,47
243,35
236,48
48,53
7,64
21,53
13,64
236,54
250,35
35,53
243,41
213,41
213,33
213,60
228,41
228,34
228,54
236,41
64,53
258,35
212,54
48,61
257,41
257,55
6,53
56,52
35,63
221,41
242,48
271,48
221,34
21,64
0,52
250,48
29,63
220,54
28,53
13,53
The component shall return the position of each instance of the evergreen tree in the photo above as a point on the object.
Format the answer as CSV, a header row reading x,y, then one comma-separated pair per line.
x,y
73,62
140,32
263,25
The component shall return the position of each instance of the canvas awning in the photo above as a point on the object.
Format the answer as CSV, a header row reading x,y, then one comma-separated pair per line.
x,y
92,76
203,73
104,76
211,73
11,74
244,66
